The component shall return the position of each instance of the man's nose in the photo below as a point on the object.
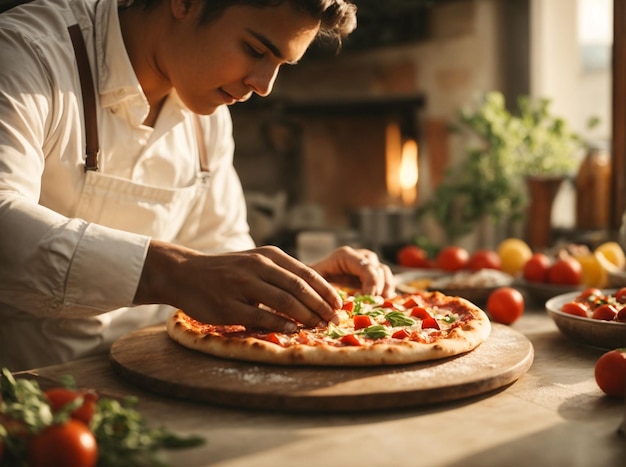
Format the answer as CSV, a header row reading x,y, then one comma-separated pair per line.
x,y
261,80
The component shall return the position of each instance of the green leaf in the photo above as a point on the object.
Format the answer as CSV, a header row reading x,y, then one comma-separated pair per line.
x,y
397,318
334,331
376,331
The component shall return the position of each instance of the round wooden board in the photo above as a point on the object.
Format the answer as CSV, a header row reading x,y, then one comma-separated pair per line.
x,y
149,359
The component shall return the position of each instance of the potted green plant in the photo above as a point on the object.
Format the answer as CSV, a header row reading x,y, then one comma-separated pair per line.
x,y
505,150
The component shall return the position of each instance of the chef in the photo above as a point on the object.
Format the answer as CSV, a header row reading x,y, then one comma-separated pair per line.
x,y
118,197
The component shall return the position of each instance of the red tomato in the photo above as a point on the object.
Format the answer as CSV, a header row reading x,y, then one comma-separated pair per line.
x,y
536,268
420,312
575,308
452,258
620,295
60,397
621,315
362,321
348,306
610,373
389,304
69,444
606,312
401,334
430,323
505,305
412,256
484,259
273,338
350,339
590,293
565,271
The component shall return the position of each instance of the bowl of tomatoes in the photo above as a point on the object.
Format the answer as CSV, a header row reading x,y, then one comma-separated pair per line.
x,y
544,277
593,317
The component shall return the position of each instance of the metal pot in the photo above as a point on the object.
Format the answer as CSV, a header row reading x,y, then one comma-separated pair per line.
x,y
380,227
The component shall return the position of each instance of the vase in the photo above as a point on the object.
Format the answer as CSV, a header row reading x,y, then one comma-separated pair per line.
x,y
542,192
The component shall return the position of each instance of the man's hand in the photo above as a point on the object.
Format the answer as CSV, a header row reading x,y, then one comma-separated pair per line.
x,y
357,268
228,288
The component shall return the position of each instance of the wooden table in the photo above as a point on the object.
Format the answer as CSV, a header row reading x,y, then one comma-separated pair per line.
x,y
553,415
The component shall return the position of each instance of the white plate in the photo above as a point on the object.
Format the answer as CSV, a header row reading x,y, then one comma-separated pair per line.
x,y
414,280
428,279
606,335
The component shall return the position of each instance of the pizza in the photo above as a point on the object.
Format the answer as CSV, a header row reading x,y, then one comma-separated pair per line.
x,y
407,328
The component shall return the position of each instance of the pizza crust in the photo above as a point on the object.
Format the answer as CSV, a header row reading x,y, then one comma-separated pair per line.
x,y
461,339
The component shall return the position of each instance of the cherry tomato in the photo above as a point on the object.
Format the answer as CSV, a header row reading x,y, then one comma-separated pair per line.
x,y
401,334
590,293
60,397
505,305
348,305
409,303
412,256
620,295
575,308
621,315
350,339
389,304
610,372
273,338
430,323
565,271
484,259
420,312
69,444
362,321
536,268
606,312
452,258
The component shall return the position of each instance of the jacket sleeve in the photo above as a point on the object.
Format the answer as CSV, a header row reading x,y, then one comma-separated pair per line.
x,y
50,264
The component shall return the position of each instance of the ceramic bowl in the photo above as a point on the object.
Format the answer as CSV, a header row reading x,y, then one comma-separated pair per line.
x,y
606,335
412,280
541,293
473,286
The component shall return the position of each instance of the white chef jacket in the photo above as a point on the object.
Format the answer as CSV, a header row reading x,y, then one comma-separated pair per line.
x,y
73,243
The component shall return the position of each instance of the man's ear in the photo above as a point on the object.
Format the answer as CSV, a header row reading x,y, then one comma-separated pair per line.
x,y
181,8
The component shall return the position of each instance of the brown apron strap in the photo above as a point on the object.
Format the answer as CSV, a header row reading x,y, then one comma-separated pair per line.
x,y
92,147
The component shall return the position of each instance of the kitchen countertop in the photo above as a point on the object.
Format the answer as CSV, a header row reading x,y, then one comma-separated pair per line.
x,y
553,415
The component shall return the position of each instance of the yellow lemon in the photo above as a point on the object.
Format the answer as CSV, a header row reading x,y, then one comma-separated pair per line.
x,y
513,254
613,252
594,274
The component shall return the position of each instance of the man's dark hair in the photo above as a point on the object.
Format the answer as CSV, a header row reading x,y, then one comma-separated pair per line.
x,y
337,17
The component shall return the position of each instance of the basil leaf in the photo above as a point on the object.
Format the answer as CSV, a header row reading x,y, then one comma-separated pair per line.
x,y
335,331
373,312
397,318
375,331
449,319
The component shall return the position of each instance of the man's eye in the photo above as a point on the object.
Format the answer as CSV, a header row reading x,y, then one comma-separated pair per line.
x,y
254,52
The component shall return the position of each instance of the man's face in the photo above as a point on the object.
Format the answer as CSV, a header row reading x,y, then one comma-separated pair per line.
x,y
239,53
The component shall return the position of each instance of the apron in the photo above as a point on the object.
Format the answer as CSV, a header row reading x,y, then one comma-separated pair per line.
x,y
146,210
125,205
